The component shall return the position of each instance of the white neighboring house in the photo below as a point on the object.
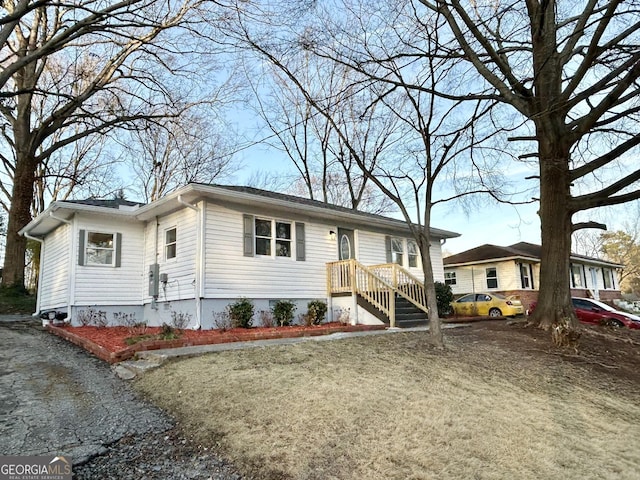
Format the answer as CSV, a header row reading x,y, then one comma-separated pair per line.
x,y
202,247
515,270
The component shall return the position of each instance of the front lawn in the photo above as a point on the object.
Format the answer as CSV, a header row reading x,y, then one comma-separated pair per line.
x,y
391,407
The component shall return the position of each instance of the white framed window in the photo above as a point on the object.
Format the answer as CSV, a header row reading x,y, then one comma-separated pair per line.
x,y
492,277
450,278
526,277
607,277
263,236
283,239
397,250
170,243
272,238
99,248
577,275
413,252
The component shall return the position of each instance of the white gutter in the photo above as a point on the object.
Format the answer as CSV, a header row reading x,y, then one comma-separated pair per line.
x,y
41,242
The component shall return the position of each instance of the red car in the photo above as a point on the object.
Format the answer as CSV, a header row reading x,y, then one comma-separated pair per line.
x,y
595,312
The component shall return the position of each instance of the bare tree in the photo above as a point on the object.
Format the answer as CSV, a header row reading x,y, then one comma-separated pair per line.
x,y
85,68
175,151
567,72
623,246
571,71
437,141
324,166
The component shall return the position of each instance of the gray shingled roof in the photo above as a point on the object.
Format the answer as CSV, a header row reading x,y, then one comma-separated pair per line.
x,y
293,199
113,203
317,203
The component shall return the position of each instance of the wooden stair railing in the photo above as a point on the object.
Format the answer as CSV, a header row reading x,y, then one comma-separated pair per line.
x,y
378,285
404,283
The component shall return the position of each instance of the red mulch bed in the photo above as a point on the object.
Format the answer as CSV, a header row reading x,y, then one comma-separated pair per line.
x,y
109,344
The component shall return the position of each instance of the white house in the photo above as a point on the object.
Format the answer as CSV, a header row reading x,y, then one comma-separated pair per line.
x,y
202,247
515,270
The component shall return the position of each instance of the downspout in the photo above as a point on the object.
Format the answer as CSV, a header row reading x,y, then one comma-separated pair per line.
x,y
154,298
41,242
198,267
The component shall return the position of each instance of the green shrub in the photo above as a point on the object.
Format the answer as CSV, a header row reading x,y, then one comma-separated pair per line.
x,y
444,297
317,311
283,312
241,313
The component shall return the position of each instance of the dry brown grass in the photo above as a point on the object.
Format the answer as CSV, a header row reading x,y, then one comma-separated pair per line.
x,y
390,407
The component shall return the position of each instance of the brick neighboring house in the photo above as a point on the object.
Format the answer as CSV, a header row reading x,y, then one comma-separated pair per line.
x,y
515,270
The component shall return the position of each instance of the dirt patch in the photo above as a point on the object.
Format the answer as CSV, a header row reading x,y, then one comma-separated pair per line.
x,y
499,402
613,351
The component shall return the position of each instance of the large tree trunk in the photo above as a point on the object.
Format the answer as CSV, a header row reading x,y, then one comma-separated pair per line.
x,y
554,310
435,328
23,185
19,216
554,302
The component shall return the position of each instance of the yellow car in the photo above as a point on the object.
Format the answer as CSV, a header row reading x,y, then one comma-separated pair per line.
x,y
487,304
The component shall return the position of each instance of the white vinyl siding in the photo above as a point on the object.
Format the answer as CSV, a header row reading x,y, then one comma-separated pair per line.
x,y
605,278
371,251
54,280
471,279
111,285
231,274
181,270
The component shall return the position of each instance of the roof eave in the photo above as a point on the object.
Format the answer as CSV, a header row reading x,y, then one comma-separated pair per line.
x,y
591,261
64,211
492,260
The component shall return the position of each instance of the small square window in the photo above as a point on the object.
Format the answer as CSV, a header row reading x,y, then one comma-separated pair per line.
x,y
100,248
450,278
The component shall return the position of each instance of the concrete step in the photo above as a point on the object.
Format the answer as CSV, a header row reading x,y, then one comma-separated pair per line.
x,y
129,369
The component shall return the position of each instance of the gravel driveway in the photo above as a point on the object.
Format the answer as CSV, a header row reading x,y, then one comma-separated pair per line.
x,y
55,399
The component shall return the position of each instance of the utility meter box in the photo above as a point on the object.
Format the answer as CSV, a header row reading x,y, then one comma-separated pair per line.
x,y
154,280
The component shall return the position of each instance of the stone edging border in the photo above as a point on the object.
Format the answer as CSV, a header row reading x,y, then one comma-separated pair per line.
x,y
129,352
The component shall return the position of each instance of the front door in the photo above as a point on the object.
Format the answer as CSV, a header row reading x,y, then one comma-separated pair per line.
x,y
346,244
